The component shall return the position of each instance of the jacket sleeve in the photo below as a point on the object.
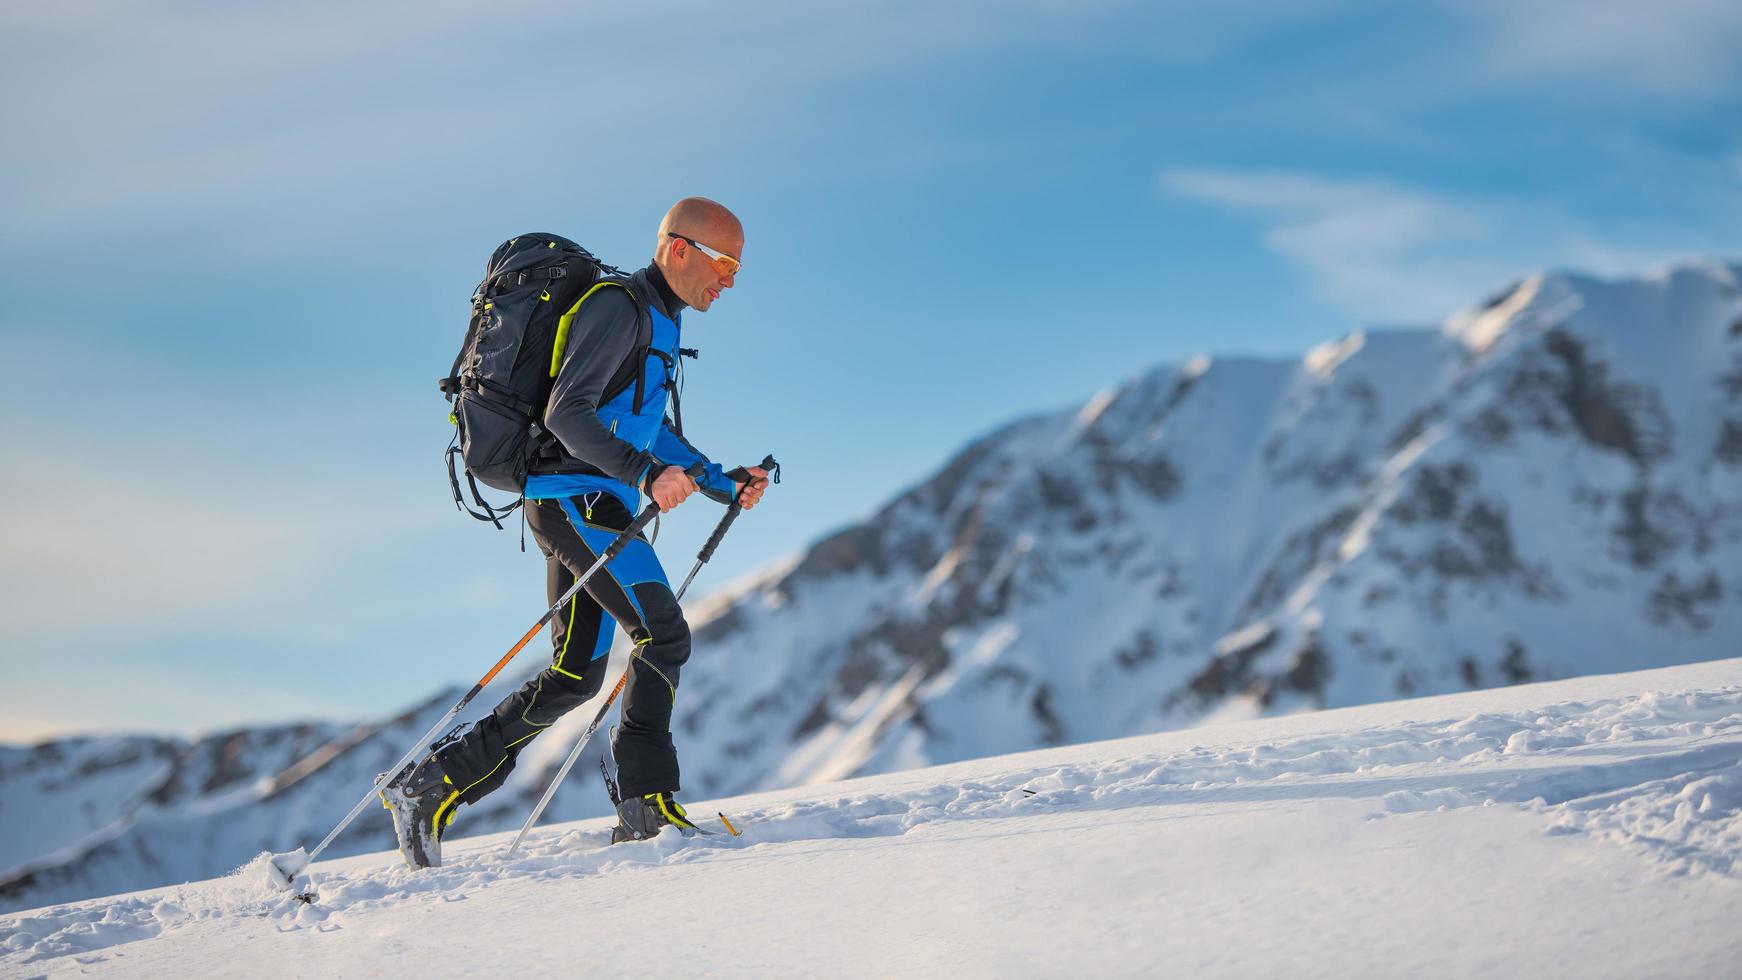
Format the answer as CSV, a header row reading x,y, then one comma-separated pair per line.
x,y
602,335
671,449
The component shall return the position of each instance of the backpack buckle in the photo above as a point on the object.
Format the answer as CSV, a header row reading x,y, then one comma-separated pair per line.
x,y
554,272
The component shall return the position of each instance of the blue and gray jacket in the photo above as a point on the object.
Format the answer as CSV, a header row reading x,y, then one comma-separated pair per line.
x,y
616,446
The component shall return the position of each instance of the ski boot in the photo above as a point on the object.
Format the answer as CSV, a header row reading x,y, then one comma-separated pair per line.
x,y
641,817
422,801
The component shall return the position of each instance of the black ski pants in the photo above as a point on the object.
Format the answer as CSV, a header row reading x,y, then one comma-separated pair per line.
x,y
632,589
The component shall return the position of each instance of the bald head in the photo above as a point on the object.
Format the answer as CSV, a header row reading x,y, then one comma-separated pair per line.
x,y
696,277
706,221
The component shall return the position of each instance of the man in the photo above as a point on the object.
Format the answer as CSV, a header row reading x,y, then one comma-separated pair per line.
x,y
583,490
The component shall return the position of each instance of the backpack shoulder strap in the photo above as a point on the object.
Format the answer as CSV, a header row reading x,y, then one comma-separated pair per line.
x,y
632,368
567,320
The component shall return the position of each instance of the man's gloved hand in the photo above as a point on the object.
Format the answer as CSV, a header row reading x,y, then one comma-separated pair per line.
x,y
671,487
753,487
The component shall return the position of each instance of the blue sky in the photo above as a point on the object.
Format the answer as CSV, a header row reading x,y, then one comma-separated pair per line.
x,y
239,239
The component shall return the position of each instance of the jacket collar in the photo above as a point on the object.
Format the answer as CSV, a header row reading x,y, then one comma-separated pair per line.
x,y
664,299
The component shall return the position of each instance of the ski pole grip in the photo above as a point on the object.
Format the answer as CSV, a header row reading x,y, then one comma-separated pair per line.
x,y
714,539
732,511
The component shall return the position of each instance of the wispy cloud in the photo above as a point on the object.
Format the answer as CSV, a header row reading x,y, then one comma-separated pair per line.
x,y
1387,251
1666,46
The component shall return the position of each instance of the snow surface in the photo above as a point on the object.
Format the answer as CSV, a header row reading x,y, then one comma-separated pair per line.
x,y
1588,827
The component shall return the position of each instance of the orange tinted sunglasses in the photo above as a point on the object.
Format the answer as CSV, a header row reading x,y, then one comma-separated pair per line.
x,y
727,265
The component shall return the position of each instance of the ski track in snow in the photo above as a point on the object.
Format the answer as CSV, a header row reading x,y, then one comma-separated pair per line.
x,y
1659,772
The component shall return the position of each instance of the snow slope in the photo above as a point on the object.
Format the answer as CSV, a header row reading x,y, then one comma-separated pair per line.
x,y
1588,827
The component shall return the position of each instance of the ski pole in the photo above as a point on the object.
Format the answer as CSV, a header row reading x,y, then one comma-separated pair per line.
x,y
296,865
707,552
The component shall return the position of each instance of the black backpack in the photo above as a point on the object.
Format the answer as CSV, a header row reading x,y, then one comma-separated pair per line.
x,y
502,378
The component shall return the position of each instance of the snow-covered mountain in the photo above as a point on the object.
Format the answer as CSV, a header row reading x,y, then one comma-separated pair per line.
x,y
1589,827
1548,486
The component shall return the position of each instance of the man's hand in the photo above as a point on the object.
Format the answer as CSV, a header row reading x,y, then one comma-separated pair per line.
x,y
751,492
672,487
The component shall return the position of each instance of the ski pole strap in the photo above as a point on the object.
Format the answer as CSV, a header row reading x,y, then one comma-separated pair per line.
x,y
741,474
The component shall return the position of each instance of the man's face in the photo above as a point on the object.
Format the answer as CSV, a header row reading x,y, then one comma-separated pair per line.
x,y
698,278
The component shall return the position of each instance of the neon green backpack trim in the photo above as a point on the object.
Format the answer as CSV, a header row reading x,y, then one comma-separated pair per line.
x,y
567,320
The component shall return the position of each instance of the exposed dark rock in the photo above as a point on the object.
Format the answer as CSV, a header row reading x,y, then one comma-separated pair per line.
x,y
1056,492
1675,601
1732,382
1325,474
1005,674
1143,649
844,552
943,489
1435,493
1172,584
1413,427
1485,526
1052,730
1652,525
1621,417
1514,667
1309,672
729,621
813,721
1112,465
128,756
227,762
1728,449
1471,674
740,748
863,667
1500,297
1490,427
1338,470
1156,476
1362,394
1299,554
763,704
1378,595
1229,672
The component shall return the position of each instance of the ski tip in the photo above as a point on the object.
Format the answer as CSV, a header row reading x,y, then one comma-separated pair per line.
x,y
728,825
